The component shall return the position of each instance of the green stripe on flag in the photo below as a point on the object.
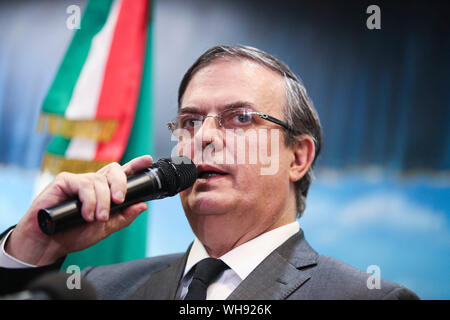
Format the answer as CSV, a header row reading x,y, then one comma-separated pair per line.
x,y
129,243
58,146
60,93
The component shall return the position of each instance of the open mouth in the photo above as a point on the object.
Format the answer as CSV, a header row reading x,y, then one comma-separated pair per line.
x,y
210,174
206,171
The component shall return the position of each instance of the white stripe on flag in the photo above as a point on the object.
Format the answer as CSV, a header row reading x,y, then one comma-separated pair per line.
x,y
84,101
81,149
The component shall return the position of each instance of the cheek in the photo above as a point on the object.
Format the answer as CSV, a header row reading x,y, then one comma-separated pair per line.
x,y
261,195
186,198
250,180
184,148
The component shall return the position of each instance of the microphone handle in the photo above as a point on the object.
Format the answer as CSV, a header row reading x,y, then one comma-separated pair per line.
x,y
141,187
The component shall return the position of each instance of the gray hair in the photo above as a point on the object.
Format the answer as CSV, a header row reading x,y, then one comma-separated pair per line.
x,y
299,111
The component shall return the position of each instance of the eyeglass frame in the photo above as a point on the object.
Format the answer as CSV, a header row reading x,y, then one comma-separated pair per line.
x,y
219,119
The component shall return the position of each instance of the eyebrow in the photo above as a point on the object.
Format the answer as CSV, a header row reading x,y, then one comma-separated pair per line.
x,y
233,105
189,110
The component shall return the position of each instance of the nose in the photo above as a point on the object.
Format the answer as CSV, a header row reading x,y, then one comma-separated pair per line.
x,y
211,121
209,132
208,138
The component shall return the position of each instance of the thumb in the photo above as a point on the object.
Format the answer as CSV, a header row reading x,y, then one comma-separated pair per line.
x,y
126,217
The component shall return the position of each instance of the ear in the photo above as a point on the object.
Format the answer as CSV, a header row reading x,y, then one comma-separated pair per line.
x,y
303,151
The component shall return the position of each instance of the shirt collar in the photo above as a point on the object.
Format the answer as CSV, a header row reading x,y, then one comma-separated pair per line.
x,y
246,257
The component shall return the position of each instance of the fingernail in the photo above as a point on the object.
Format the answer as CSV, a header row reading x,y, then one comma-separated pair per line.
x,y
103,214
119,196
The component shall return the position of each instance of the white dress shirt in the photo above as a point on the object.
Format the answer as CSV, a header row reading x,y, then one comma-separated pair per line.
x,y
242,260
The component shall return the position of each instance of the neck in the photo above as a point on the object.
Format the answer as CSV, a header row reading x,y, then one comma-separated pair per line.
x,y
218,238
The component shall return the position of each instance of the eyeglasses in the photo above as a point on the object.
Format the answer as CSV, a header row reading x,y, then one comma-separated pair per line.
x,y
233,118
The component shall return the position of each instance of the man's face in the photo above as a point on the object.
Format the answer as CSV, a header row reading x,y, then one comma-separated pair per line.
x,y
242,200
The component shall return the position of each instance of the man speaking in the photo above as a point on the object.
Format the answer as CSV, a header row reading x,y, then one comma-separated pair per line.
x,y
247,123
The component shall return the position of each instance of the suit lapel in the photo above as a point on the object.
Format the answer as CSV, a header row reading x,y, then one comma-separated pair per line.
x,y
163,284
281,273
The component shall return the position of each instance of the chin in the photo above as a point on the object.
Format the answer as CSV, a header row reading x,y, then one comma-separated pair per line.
x,y
209,203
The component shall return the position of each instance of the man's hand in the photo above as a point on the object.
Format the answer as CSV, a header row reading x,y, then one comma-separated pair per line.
x,y
96,191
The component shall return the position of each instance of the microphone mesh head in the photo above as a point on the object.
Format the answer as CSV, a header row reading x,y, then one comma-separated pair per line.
x,y
180,172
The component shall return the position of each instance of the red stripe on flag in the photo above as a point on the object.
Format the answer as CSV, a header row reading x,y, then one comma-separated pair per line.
x,y
123,74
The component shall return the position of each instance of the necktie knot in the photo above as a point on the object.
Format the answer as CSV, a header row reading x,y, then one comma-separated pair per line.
x,y
205,272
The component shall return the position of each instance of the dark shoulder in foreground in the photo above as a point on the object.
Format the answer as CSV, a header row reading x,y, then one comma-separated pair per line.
x,y
117,281
333,279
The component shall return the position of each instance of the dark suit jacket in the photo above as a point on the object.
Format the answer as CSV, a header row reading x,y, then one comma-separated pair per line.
x,y
293,271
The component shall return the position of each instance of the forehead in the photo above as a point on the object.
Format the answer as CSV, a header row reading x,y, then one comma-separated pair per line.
x,y
225,81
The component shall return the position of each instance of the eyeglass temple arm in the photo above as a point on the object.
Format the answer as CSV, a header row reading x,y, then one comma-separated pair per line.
x,y
275,120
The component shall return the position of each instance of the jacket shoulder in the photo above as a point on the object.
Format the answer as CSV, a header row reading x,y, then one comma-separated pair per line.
x,y
334,279
117,281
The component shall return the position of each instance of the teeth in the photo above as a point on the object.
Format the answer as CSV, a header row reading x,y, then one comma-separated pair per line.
x,y
208,174
212,174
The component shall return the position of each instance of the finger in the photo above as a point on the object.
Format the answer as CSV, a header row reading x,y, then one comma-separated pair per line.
x,y
132,212
102,194
72,184
137,164
87,196
117,180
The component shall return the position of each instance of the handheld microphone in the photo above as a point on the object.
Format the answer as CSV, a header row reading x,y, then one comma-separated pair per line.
x,y
163,179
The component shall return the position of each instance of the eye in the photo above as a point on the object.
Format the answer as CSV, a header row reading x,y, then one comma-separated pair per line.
x,y
243,118
189,121
239,118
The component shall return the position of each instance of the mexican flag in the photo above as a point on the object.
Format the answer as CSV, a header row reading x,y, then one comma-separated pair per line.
x,y
99,109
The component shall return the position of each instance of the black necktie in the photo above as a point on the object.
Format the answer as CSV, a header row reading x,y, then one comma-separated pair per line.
x,y
205,272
